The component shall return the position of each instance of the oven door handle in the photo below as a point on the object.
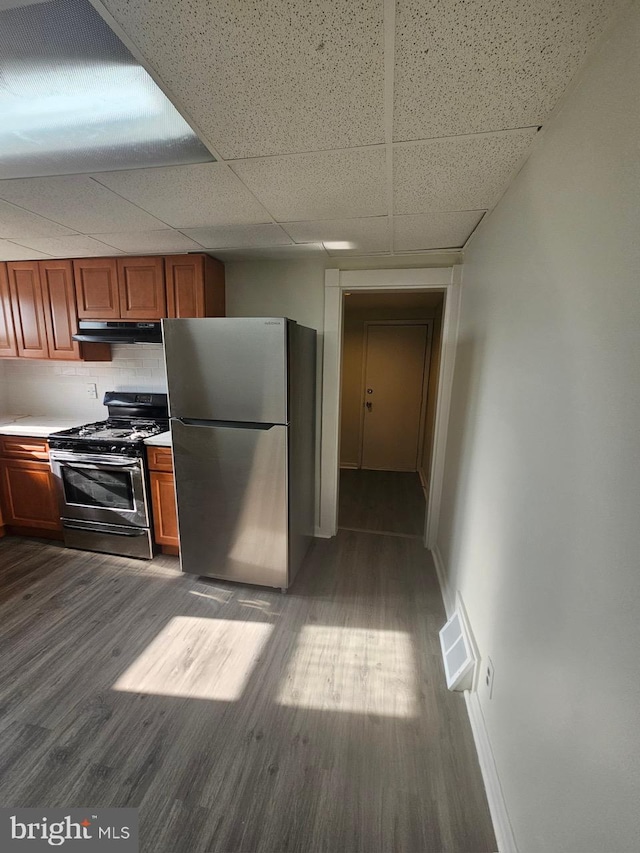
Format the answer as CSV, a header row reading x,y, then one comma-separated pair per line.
x,y
86,461
132,531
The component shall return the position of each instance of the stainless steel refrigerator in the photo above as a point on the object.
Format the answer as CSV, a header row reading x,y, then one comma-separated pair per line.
x,y
242,408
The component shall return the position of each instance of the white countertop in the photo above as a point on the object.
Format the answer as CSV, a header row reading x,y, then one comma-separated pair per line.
x,y
163,439
39,426
9,419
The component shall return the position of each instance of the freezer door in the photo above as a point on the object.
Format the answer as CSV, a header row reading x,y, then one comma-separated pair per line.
x,y
231,485
227,368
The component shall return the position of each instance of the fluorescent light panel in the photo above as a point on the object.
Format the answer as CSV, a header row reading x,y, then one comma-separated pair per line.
x,y
75,100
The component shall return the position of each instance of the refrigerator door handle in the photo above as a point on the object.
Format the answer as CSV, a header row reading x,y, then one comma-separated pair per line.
x,y
198,422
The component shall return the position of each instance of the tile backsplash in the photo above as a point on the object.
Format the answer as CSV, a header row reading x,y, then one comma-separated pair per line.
x,y
60,388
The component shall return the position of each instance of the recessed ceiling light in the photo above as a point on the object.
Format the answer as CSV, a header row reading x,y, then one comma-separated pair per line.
x,y
338,244
73,98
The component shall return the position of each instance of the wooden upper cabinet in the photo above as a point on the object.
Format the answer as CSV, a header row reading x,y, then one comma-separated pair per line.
x,y
7,334
96,283
59,309
195,286
28,308
142,293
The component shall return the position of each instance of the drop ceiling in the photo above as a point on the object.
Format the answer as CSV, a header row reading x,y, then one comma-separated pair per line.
x,y
337,127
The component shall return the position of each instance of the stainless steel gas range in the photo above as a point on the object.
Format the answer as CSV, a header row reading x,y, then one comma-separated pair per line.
x,y
101,476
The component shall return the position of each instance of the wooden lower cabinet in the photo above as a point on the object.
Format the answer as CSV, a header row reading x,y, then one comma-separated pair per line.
x,y
163,499
29,499
27,488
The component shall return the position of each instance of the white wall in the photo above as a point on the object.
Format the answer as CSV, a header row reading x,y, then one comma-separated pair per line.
x,y
293,289
540,525
30,386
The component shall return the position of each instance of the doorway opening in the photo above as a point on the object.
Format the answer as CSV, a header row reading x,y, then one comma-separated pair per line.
x,y
391,352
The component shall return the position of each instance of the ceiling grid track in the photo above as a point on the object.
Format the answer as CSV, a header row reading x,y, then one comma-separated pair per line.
x,y
383,127
389,68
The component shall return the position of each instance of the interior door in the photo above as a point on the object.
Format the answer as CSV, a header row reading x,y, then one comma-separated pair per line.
x,y
394,378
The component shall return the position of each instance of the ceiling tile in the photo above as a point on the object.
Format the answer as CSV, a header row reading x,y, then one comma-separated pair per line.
x,y
269,77
188,196
358,236
70,247
487,65
149,242
16,222
434,230
78,202
323,185
460,173
238,236
13,252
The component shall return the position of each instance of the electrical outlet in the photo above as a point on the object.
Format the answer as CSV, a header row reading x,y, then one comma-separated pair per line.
x,y
92,391
489,672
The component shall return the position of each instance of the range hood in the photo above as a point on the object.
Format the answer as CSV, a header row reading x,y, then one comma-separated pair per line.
x,y
118,332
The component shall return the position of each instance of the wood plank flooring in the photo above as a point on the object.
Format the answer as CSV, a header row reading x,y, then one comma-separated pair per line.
x,y
238,719
381,501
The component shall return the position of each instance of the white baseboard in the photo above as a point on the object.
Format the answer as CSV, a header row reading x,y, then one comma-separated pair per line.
x,y
350,466
423,481
321,534
497,806
442,580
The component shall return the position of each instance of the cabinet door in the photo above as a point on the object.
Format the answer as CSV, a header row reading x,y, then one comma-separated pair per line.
x,y
29,498
142,294
195,286
163,504
28,309
96,285
60,309
7,335
159,458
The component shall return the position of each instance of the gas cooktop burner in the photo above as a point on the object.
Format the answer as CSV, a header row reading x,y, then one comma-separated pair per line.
x,y
132,418
123,431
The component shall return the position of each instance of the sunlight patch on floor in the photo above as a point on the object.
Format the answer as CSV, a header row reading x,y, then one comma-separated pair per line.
x,y
352,669
198,658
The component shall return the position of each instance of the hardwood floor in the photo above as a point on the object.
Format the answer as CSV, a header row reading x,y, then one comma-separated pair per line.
x,y
238,719
381,501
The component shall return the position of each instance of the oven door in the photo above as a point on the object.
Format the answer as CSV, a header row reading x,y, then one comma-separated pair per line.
x,y
103,488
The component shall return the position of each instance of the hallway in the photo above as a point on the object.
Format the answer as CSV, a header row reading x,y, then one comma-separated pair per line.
x,y
315,721
381,501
